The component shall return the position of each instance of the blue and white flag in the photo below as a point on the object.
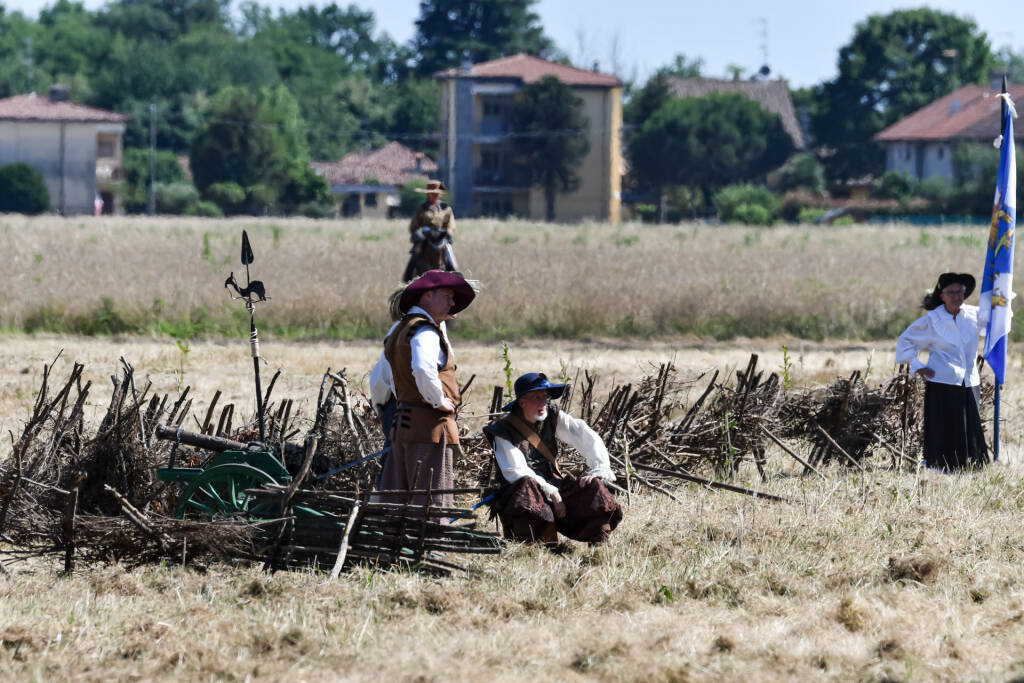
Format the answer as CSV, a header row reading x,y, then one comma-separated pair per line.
x,y
997,283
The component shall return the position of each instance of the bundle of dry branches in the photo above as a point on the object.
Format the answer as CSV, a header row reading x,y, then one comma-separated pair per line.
x,y
93,494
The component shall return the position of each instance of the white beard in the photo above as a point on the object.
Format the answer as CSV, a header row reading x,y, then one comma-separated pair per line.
x,y
540,415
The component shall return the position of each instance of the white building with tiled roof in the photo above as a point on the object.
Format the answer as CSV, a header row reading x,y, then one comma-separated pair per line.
x,y
77,149
922,144
477,156
367,183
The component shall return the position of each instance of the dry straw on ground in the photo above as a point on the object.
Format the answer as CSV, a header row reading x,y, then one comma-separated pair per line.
x,y
878,576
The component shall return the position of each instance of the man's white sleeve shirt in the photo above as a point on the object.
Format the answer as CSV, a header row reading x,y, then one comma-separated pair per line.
x,y
382,383
576,433
427,358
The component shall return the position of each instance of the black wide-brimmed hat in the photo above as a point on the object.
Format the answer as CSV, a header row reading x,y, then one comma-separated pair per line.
x,y
437,279
947,279
534,381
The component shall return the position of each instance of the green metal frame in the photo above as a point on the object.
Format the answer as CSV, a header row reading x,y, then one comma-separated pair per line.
x,y
219,488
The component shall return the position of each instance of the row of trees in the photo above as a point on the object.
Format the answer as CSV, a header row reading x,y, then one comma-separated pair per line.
x,y
355,86
252,96
684,150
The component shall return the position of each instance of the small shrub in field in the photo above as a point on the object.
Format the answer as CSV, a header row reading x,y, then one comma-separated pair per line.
x,y
316,210
208,209
23,190
750,204
753,214
228,196
938,190
843,220
175,198
804,172
895,185
809,214
647,213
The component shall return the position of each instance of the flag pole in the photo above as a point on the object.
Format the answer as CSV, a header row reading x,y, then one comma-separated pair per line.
x,y
995,406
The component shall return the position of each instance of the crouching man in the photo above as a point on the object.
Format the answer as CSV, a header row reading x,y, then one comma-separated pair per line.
x,y
536,501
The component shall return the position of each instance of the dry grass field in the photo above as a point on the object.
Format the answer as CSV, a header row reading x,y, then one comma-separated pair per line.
x,y
330,279
881,576
885,576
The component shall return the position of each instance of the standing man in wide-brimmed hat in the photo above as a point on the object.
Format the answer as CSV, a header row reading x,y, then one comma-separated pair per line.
x,y
425,436
949,331
430,232
536,500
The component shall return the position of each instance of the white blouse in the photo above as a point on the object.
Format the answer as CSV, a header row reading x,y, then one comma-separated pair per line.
x,y
572,431
952,345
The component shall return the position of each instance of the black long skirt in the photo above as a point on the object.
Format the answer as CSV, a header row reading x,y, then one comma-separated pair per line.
x,y
953,437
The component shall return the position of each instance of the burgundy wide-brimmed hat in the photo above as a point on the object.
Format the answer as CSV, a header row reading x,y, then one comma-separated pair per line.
x,y
437,279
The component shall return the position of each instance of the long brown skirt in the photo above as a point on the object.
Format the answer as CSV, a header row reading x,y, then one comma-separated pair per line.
x,y
433,467
591,512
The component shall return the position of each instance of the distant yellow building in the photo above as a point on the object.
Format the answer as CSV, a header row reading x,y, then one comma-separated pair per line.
x,y
477,157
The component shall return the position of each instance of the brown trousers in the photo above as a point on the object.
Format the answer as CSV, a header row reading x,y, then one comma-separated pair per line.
x,y
591,512
433,467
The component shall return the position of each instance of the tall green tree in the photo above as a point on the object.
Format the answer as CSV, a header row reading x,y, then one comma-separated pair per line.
x,y
895,64
551,136
163,20
448,31
707,142
254,139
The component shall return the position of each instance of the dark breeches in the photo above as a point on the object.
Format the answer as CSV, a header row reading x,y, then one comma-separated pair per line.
x,y
591,512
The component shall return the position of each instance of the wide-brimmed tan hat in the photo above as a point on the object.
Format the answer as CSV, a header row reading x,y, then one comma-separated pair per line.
x,y
433,187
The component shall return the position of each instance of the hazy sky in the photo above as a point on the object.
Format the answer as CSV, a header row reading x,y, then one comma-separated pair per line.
x,y
803,36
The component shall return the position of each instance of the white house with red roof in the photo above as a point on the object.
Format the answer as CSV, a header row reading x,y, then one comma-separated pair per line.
x,y
367,184
477,156
77,149
922,144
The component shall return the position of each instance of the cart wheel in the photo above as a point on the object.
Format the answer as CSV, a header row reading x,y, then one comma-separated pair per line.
x,y
220,492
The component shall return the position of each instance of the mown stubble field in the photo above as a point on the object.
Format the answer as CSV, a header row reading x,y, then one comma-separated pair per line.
x,y
882,576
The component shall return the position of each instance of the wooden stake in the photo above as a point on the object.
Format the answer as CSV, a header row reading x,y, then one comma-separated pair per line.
x,y
69,529
343,548
786,448
838,447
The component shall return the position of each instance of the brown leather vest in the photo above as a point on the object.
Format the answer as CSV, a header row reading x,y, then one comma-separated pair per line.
x,y
416,421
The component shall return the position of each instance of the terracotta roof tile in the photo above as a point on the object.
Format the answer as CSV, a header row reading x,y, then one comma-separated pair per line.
x,y
530,69
393,164
969,113
34,107
773,96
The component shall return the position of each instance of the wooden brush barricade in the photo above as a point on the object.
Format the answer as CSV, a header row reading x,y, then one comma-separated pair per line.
x,y
335,528
91,492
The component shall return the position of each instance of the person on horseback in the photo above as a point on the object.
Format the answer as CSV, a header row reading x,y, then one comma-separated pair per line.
x,y
430,232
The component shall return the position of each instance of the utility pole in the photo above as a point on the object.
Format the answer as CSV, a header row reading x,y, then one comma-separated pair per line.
x,y
151,199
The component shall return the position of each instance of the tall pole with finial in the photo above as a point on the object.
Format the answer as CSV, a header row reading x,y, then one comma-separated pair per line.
x,y
995,401
253,293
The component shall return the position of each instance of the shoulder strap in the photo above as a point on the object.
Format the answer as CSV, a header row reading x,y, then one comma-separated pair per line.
x,y
533,437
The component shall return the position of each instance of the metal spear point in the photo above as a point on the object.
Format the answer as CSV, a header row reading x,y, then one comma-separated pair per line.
x,y
251,294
